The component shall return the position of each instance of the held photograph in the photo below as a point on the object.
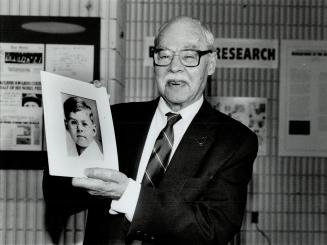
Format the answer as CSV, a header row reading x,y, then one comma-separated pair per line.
x,y
78,126
83,134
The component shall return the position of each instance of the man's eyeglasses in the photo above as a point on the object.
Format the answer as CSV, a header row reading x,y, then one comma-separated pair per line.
x,y
188,57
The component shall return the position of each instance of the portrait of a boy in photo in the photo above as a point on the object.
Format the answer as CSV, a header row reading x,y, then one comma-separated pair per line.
x,y
81,129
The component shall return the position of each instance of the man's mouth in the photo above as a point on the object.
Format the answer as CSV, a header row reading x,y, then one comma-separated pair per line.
x,y
172,82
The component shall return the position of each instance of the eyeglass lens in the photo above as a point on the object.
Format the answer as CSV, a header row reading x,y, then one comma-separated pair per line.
x,y
186,57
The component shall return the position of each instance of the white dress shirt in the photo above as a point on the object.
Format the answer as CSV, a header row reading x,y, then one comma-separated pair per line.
x,y
127,202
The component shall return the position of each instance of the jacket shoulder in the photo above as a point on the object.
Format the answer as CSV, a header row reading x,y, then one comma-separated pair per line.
x,y
232,126
130,110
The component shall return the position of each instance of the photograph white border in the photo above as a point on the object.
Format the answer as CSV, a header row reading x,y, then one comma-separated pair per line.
x,y
60,163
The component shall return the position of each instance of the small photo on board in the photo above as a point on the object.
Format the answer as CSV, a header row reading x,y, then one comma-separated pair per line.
x,y
78,126
31,100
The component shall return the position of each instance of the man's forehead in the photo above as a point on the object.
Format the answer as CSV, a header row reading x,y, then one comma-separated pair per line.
x,y
181,40
183,35
184,46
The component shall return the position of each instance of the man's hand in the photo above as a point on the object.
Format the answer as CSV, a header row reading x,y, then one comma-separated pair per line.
x,y
103,182
98,83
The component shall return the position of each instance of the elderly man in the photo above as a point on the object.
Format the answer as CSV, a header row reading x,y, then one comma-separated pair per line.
x,y
184,167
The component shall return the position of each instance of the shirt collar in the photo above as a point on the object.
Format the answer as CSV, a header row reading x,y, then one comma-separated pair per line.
x,y
186,113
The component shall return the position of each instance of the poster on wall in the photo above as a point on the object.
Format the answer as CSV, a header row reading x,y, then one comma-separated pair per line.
x,y
74,61
20,96
251,111
303,98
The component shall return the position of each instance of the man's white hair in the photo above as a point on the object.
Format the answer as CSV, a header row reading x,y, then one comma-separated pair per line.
x,y
206,33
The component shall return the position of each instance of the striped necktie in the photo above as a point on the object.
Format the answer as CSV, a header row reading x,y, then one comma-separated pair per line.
x,y
159,158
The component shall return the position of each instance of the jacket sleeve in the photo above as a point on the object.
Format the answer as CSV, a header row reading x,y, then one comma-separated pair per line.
x,y
59,193
61,201
209,208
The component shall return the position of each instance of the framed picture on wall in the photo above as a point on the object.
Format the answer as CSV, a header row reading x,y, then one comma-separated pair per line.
x,y
78,126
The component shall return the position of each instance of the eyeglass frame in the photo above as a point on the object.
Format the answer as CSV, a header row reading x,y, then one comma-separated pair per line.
x,y
201,53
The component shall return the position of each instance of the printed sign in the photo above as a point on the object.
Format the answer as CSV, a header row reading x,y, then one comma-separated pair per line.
x,y
247,53
234,53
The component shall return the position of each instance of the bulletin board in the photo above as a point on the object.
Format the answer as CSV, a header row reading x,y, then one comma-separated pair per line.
x,y
68,46
303,98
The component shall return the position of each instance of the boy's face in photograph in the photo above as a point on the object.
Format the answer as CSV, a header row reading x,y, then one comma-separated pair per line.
x,y
81,128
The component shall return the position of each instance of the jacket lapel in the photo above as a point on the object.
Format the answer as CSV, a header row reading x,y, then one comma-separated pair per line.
x,y
142,128
194,145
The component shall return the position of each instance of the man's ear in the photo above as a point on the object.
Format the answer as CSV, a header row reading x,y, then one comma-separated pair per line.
x,y
212,63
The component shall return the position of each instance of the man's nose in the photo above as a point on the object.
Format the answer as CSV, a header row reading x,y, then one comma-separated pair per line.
x,y
175,64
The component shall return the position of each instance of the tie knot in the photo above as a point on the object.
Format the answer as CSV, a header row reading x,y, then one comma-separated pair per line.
x,y
172,118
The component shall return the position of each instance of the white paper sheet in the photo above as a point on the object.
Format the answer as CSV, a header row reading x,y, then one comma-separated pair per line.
x,y
20,96
74,61
303,98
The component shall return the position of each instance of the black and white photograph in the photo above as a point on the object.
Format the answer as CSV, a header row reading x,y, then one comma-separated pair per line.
x,y
82,127
31,100
163,122
78,126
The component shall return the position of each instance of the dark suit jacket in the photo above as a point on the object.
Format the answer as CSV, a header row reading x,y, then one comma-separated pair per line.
x,y
201,198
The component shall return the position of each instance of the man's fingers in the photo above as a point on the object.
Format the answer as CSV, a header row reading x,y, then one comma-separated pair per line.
x,y
97,83
103,182
98,187
87,183
103,174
